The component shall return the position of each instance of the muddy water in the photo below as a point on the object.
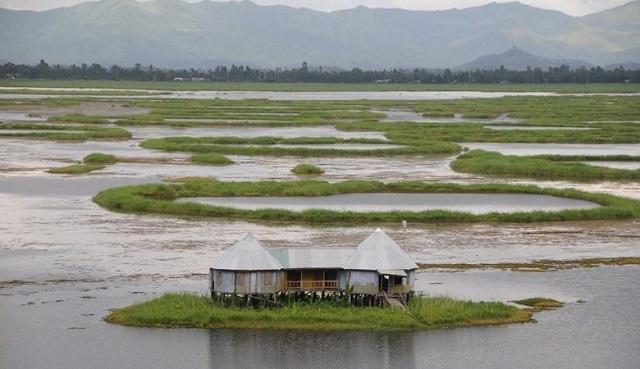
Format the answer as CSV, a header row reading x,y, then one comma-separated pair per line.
x,y
248,132
628,165
534,128
556,149
471,203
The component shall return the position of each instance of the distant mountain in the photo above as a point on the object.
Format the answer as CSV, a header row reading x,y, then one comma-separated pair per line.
x,y
172,33
517,59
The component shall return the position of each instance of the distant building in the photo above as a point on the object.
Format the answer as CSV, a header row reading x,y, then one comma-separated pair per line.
x,y
377,268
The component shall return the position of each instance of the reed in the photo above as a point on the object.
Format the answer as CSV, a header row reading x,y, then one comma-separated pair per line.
x,y
157,199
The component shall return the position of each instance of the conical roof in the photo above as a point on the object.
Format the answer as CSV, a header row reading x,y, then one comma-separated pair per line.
x,y
379,252
247,254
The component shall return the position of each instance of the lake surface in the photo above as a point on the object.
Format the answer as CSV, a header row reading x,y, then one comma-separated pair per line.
x,y
56,326
360,202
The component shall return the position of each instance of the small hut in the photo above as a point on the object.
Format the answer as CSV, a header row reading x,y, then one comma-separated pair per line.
x,y
380,266
245,268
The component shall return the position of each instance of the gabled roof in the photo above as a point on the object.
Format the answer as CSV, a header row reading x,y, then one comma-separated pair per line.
x,y
247,254
379,252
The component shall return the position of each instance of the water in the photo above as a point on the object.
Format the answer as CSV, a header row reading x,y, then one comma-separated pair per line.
x,y
627,165
146,132
373,202
57,325
556,149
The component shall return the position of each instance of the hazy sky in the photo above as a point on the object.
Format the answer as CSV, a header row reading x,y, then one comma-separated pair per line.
x,y
572,7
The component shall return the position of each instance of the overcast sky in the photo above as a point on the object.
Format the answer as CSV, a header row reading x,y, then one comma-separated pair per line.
x,y
572,7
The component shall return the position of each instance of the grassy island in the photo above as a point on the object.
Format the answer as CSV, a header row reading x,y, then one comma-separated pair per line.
x,y
193,311
158,199
545,167
307,169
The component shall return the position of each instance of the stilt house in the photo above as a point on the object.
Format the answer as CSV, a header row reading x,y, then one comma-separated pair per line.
x,y
377,267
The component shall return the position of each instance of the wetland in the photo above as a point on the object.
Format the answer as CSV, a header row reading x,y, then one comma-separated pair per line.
x,y
66,262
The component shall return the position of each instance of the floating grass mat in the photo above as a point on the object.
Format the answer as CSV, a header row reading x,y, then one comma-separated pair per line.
x,y
76,169
307,169
158,199
266,146
70,132
540,303
192,311
493,163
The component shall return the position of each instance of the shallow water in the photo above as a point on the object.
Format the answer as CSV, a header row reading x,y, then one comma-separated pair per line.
x,y
144,132
628,165
555,149
362,202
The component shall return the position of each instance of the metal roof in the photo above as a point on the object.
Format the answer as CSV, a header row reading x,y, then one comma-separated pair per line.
x,y
379,252
325,258
247,254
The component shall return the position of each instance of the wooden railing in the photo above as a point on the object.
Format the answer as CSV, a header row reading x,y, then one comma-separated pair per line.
x,y
312,285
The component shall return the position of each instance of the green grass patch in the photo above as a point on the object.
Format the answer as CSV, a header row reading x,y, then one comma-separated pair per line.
x,y
193,311
157,199
210,159
266,146
99,158
540,303
307,169
76,169
493,163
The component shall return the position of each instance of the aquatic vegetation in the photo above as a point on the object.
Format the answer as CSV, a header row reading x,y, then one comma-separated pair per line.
x,y
307,169
144,199
76,169
540,303
493,163
194,311
99,158
267,146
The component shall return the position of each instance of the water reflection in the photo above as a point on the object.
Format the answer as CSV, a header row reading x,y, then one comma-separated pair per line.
x,y
290,349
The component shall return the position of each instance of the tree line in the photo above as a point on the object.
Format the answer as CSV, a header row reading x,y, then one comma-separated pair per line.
x,y
239,73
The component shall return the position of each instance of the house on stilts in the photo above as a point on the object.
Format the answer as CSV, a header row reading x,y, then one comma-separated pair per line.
x,y
372,272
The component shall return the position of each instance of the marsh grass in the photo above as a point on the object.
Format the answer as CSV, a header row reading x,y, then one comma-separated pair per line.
x,y
493,163
540,303
193,311
99,158
265,146
157,199
210,159
307,169
76,169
